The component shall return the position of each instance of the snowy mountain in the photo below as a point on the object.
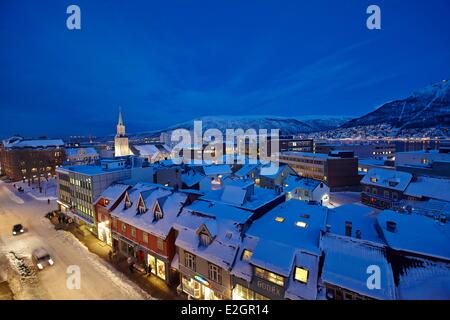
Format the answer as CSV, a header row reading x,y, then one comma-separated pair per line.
x,y
287,126
426,108
323,123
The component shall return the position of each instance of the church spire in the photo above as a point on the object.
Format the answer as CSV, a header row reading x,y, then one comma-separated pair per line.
x,y
120,125
120,116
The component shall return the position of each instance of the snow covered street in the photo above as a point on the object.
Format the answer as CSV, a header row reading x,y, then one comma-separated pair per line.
x,y
99,280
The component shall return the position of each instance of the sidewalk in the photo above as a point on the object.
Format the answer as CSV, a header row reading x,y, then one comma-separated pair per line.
x,y
154,286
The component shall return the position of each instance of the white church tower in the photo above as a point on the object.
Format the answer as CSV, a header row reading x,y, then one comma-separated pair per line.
x,y
121,146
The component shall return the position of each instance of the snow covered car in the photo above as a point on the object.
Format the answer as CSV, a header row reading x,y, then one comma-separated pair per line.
x,y
17,229
42,258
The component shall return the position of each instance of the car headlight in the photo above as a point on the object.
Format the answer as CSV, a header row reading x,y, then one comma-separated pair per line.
x,y
14,232
21,230
50,261
40,266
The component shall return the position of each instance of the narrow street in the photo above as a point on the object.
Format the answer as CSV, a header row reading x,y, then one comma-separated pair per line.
x,y
99,280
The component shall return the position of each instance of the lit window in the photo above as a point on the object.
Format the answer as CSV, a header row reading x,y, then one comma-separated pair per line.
x,y
133,232
373,179
246,255
301,275
279,219
301,224
270,276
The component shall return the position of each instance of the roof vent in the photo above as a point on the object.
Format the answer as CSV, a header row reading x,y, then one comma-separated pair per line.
x,y
348,228
391,226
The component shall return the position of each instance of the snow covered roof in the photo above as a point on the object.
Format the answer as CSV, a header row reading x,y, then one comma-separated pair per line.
x,y
297,290
415,233
293,182
73,152
169,201
290,227
363,218
192,177
225,244
19,142
346,265
280,170
217,169
246,169
424,279
241,268
305,154
429,187
391,179
113,193
152,150
243,194
220,211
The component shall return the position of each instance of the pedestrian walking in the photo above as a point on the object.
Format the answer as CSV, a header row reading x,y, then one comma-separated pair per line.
x,y
48,201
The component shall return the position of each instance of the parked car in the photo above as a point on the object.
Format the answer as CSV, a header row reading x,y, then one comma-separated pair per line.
x,y
17,229
42,258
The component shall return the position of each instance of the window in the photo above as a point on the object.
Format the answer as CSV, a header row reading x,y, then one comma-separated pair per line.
x,y
301,224
157,212
279,219
189,260
124,227
161,269
243,292
301,275
205,239
246,255
145,237
269,276
386,194
133,232
215,273
114,223
160,244
373,179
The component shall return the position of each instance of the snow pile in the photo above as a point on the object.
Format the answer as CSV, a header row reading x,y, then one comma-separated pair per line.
x,y
117,278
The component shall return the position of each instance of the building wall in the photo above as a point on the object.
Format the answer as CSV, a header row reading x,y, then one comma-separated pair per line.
x,y
342,172
202,269
82,190
29,163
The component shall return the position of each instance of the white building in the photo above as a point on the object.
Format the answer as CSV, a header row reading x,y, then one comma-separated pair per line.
x,y
81,155
306,189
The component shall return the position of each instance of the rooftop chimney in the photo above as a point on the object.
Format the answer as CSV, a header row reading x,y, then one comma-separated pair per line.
x,y
358,234
391,226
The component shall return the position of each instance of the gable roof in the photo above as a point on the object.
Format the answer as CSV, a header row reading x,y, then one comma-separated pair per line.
x,y
383,178
171,203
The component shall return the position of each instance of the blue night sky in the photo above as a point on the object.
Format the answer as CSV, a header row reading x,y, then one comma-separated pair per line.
x,y
170,61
